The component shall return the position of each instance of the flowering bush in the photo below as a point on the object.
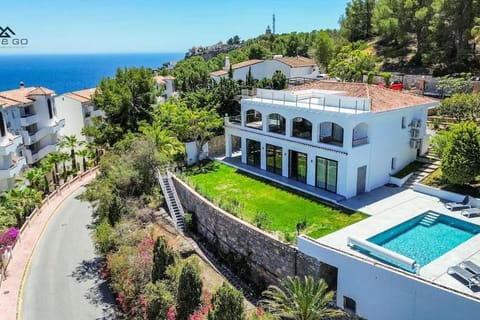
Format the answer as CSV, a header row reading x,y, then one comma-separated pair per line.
x,y
8,238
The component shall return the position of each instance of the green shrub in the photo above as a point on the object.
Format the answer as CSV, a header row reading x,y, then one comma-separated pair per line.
x,y
261,220
163,256
190,222
103,237
159,300
227,304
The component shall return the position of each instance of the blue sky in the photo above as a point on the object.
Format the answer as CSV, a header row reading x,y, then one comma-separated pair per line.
x,y
107,26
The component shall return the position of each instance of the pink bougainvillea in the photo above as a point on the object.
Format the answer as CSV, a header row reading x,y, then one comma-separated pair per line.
x,y
8,238
171,313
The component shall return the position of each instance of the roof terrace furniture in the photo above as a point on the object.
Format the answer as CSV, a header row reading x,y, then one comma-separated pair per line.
x,y
470,211
465,204
470,278
471,266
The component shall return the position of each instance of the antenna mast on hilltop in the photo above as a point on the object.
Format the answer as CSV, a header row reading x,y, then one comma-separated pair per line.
x,y
273,25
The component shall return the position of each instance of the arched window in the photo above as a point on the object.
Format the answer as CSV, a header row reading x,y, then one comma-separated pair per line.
x,y
276,123
331,133
360,134
254,119
301,128
50,109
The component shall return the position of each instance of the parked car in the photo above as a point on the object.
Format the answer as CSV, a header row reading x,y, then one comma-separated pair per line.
x,y
397,85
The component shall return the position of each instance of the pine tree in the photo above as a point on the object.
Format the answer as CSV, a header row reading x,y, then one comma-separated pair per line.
x,y
189,292
163,256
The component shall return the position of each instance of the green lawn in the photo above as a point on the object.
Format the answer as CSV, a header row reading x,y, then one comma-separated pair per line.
x,y
275,208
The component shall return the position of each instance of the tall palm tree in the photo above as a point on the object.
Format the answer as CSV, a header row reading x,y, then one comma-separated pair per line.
x,y
54,159
166,143
63,157
84,154
300,300
46,168
71,142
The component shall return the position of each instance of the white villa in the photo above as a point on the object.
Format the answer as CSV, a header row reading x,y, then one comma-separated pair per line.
x,y
29,129
167,82
291,67
342,138
78,111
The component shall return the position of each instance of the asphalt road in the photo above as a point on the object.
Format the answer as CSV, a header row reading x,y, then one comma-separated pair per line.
x,y
63,279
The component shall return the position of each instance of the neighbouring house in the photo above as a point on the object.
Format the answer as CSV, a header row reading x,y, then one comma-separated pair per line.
x,y
78,110
342,138
291,67
167,83
29,127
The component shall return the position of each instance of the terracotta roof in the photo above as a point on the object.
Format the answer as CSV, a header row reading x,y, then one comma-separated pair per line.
x,y
297,62
41,91
161,79
382,99
236,66
82,95
22,95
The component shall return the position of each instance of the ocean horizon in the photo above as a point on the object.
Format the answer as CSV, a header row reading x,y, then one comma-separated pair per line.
x,y
70,72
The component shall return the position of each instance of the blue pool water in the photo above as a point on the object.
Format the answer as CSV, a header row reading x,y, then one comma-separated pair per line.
x,y
424,242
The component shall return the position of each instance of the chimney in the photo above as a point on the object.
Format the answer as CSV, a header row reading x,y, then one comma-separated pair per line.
x,y
22,85
227,63
476,86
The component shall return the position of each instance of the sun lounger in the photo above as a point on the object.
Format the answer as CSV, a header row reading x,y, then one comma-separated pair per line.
x,y
467,276
470,211
465,204
471,266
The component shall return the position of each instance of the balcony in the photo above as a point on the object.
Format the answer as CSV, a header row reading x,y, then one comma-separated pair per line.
x,y
9,144
235,120
14,169
34,156
28,119
359,141
30,138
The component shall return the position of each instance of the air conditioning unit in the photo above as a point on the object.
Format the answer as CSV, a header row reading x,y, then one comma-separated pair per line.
x,y
415,143
414,133
416,123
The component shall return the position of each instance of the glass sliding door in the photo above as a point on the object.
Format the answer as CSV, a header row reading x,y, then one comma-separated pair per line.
x,y
298,166
274,159
326,175
253,153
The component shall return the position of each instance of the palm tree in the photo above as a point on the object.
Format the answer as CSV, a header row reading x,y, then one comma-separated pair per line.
x,y
63,157
54,159
46,168
35,177
71,142
300,300
166,143
84,153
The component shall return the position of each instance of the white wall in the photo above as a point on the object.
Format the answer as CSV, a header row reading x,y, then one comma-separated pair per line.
x,y
191,152
72,111
382,293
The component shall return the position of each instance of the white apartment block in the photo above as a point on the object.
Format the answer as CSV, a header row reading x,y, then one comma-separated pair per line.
x,y
291,67
342,138
29,129
78,111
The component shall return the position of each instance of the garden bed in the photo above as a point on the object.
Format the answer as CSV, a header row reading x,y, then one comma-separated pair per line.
x,y
265,205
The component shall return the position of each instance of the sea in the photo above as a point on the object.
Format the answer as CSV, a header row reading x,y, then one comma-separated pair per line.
x,y
67,73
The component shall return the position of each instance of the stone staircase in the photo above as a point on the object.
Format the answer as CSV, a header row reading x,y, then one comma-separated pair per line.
x,y
174,205
430,165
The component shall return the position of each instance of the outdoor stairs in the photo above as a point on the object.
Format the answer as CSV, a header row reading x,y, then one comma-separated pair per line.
x,y
174,205
430,165
429,219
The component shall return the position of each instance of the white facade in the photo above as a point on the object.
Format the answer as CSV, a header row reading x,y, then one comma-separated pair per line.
x,y
29,129
167,83
291,67
326,138
382,293
78,111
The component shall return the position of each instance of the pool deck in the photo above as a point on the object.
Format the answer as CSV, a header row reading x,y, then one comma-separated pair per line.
x,y
389,207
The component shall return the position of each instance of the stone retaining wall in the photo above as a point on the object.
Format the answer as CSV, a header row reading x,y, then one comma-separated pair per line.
x,y
270,260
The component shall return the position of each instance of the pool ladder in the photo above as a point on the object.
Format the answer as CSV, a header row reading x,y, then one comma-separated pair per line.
x,y
429,219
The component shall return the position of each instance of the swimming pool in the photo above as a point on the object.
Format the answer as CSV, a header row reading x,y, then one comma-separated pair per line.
x,y
426,237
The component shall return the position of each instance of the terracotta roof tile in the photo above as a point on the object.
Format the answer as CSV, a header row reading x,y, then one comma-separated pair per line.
x,y
236,66
22,95
382,99
297,62
82,95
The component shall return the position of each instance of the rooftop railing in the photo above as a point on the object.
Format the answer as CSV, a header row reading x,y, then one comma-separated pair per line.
x,y
310,99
